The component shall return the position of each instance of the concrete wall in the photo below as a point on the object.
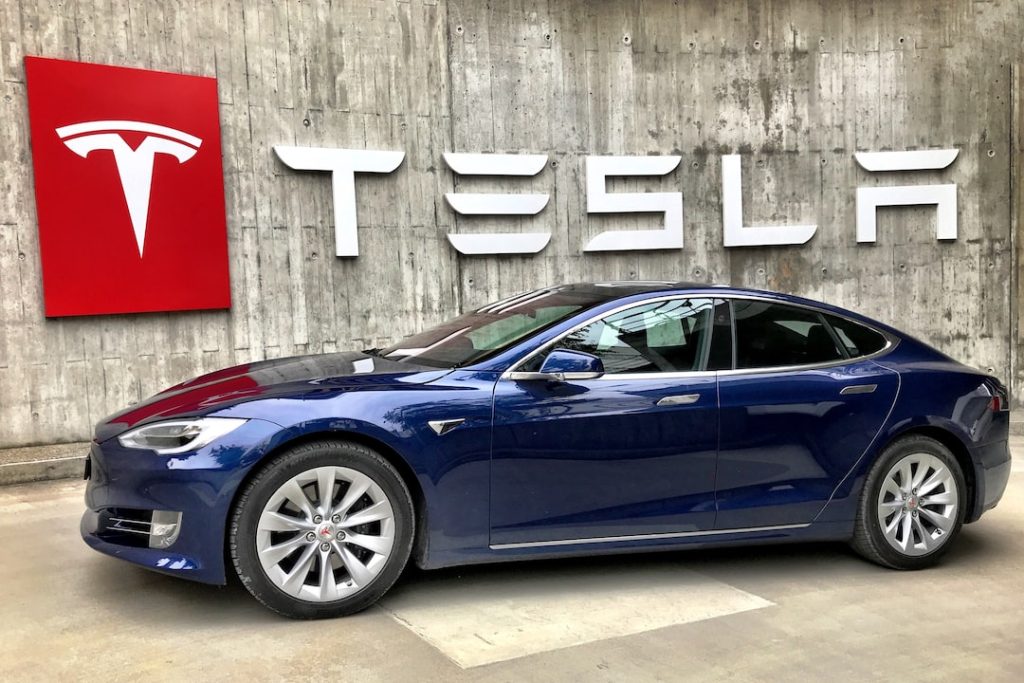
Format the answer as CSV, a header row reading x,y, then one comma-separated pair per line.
x,y
797,87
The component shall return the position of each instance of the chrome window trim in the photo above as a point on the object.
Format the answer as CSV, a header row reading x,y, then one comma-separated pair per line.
x,y
891,342
685,374
646,537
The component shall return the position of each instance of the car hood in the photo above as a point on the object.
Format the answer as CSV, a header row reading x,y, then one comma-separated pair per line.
x,y
299,375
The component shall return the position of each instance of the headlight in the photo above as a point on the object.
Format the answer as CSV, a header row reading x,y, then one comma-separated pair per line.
x,y
179,436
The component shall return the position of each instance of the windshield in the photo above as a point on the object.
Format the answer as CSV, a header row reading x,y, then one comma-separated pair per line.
x,y
491,329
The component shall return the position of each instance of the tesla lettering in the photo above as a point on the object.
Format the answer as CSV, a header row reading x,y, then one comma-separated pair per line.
x,y
344,162
343,165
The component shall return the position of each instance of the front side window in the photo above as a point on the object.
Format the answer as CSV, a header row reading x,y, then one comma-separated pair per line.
x,y
660,336
773,335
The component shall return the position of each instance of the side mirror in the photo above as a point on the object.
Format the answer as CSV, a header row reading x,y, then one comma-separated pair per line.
x,y
564,365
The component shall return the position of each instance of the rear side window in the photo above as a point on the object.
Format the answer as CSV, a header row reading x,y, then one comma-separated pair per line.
x,y
773,335
858,340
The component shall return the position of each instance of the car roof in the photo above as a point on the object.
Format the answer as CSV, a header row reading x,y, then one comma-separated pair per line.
x,y
617,289
605,292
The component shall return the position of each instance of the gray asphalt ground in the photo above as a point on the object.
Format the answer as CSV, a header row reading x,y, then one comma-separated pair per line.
x,y
799,612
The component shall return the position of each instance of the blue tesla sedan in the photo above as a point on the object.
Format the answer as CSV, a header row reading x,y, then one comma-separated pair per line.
x,y
579,419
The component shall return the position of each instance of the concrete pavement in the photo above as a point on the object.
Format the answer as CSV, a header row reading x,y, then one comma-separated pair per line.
x,y
802,612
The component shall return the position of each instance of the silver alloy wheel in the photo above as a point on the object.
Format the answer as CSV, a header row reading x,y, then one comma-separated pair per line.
x,y
917,504
325,534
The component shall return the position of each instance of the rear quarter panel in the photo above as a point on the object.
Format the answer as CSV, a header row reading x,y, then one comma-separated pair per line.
x,y
936,393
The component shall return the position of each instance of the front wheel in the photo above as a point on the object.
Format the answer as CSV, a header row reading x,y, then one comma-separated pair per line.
x,y
324,530
912,506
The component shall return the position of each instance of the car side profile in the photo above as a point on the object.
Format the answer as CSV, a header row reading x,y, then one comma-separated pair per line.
x,y
577,419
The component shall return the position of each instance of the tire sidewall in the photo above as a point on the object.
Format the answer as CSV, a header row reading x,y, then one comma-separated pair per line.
x,y
869,501
242,530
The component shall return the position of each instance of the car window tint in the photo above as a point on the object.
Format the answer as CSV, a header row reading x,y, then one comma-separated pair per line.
x,y
490,329
503,332
858,340
661,336
772,335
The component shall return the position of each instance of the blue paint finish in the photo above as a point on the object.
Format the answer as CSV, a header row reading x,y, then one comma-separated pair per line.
x,y
788,437
601,458
563,360
539,461
201,485
451,470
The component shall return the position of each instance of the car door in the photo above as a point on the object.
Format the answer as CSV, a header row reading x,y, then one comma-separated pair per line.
x,y
802,405
631,452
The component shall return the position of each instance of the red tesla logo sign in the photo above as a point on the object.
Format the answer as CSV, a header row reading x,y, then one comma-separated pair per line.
x,y
129,189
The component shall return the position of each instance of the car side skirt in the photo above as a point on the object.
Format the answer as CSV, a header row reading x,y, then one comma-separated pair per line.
x,y
713,538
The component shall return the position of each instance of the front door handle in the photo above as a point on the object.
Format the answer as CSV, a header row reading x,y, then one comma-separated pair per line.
x,y
859,389
681,400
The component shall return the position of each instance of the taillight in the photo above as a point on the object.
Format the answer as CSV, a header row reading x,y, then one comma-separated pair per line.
x,y
1000,401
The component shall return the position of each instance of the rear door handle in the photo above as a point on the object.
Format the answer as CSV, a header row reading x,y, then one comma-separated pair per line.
x,y
859,389
681,400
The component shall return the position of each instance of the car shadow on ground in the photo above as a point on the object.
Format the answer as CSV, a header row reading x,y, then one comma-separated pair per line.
x,y
144,596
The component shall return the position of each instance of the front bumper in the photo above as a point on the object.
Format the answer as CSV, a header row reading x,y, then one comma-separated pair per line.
x,y
200,485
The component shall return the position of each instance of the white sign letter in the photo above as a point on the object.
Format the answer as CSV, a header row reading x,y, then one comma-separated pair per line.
x,y
735,234
343,165
478,204
600,201
870,198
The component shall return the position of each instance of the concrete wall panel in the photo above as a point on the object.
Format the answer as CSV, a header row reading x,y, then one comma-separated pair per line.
x,y
796,87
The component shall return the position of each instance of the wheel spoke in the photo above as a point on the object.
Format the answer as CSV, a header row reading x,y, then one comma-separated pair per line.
x,y
893,525
906,531
933,482
275,521
378,544
294,493
374,513
905,476
919,475
328,586
892,488
272,555
926,538
325,489
944,498
938,520
356,489
297,576
359,572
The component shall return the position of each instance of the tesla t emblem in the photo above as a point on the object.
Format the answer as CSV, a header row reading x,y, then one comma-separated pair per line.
x,y
134,166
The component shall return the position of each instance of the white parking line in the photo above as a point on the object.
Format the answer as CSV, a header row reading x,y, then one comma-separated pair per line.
x,y
498,615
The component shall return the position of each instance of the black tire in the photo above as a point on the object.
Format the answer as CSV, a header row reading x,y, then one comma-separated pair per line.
x,y
869,540
244,519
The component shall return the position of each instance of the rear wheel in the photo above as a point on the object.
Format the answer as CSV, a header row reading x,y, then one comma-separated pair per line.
x,y
912,505
323,531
